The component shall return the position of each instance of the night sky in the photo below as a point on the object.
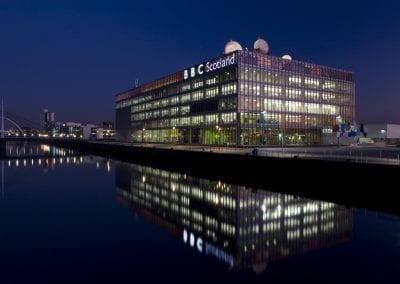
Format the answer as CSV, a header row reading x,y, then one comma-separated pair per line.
x,y
72,57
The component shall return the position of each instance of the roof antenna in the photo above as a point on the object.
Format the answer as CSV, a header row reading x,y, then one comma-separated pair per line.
x,y
136,82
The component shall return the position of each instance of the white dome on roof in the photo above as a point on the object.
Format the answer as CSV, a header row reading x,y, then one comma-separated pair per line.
x,y
261,45
287,57
232,46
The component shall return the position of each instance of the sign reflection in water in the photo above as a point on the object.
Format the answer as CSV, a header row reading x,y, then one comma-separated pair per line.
x,y
243,227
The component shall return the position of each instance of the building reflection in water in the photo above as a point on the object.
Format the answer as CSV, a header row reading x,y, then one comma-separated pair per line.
x,y
243,227
34,150
23,154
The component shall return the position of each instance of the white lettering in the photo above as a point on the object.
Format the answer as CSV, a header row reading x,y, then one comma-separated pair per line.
x,y
207,247
210,66
199,244
220,254
200,69
220,63
191,239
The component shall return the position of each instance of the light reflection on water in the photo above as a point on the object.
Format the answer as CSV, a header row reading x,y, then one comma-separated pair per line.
x,y
35,150
174,224
243,227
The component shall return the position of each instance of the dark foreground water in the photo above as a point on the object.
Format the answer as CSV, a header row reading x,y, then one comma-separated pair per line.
x,y
66,218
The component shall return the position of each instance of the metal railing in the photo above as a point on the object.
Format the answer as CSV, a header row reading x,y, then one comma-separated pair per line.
x,y
353,156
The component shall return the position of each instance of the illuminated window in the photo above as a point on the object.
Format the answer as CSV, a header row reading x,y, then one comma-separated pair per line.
x,y
311,82
211,92
185,110
295,80
196,120
272,91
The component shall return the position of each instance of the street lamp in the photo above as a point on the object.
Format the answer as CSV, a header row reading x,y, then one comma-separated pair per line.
x,y
281,139
143,130
173,135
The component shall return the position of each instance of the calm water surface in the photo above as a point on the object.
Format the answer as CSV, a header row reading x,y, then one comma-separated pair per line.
x,y
67,218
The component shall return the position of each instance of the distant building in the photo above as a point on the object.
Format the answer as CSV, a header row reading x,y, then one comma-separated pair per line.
x,y
48,116
108,125
48,121
96,133
242,97
71,130
383,132
100,133
108,130
87,131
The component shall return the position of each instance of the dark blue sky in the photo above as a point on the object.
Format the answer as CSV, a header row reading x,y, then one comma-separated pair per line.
x,y
72,57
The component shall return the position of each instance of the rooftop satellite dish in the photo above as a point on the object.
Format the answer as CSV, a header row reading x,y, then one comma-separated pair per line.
x,y
232,46
287,57
261,46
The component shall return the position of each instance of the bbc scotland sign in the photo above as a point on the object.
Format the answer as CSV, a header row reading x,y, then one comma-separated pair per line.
x,y
209,66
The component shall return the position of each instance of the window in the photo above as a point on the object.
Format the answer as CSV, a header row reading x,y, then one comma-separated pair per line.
x,y
174,100
212,80
185,87
228,89
185,98
228,117
174,111
211,92
273,105
196,120
295,80
272,91
184,120
211,118
185,110
311,95
293,93
197,95
165,112
294,106
311,82
256,89
197,84
164,102
311,108
329,85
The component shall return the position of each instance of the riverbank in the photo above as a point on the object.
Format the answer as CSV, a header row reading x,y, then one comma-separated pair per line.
x,y
371,186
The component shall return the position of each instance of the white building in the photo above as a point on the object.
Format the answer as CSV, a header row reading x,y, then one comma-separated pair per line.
x,y
87,131
383,131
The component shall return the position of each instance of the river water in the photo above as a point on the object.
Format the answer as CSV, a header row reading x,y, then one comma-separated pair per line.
x,y
71,218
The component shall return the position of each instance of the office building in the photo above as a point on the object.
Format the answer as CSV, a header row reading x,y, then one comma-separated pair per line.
x,y
244,97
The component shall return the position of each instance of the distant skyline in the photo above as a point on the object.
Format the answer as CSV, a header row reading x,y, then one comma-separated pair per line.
x,y
72,57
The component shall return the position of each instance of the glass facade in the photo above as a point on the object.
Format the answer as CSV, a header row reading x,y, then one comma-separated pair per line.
x,y
243,98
